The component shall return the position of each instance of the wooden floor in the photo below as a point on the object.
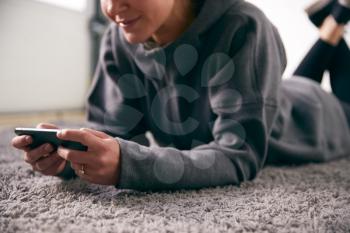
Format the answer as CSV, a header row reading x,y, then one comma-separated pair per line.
x,y
32,119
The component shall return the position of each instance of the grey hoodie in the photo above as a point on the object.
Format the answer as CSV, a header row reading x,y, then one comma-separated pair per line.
x,y
211,99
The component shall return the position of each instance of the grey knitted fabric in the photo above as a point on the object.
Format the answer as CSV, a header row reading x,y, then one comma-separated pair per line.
x,y
310,198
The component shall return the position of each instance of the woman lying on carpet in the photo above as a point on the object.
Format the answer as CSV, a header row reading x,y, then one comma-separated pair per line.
x,y
204,77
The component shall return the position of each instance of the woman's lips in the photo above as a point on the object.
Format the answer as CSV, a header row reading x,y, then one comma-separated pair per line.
x,y
128,23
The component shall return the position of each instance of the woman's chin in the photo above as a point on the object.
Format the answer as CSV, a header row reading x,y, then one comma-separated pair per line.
x,y
135,39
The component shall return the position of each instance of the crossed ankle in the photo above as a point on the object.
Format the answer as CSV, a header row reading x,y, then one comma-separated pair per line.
x,y
331,32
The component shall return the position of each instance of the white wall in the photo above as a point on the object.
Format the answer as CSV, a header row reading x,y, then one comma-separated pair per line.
x,y
77,5
44,56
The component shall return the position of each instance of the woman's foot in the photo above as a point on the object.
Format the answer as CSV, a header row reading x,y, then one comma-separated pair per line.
x,y
341,11
319,10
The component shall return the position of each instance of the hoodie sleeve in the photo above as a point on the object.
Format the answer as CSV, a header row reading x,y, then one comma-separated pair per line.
x,y
239,148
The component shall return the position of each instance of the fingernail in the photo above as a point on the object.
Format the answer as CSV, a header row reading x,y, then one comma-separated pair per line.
x,y
59,133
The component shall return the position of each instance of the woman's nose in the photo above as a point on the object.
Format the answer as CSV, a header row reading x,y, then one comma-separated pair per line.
x,y
115,7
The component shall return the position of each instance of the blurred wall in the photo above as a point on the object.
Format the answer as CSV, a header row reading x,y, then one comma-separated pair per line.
x,y
45,49
45,56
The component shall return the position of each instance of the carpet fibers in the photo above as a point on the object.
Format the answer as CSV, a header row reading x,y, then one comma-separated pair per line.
x,y
309,198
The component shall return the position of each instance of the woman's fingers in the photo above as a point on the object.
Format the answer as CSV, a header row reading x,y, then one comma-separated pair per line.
x,y
86,138
41,158
76,156
35,154
55,168
22,142
88,174
47,162
46,126
96,133
75,166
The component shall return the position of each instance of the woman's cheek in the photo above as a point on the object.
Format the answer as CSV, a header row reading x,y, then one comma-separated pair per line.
x,y
104,7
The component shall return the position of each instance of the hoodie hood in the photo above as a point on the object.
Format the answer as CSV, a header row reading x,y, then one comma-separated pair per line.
x,y
153,61
211,12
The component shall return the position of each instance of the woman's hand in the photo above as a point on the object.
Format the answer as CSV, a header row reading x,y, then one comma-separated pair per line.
x,y
44,158
101,163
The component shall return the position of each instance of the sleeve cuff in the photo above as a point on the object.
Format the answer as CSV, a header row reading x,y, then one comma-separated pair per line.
x,y
135,159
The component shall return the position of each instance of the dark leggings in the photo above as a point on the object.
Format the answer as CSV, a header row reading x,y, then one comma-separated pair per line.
x,y
336,59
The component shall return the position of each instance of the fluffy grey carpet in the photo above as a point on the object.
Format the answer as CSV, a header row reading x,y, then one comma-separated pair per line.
x,y
310,198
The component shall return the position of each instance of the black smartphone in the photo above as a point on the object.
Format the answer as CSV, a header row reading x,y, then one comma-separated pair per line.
x,y
41,136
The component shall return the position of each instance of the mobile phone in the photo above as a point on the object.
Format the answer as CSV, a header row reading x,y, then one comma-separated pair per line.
x,y
41,136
